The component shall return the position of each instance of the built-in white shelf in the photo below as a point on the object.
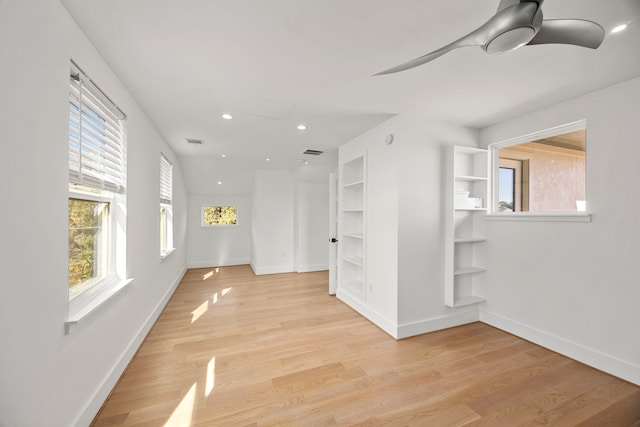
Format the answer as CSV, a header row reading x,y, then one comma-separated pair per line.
x,y
353,284
352,227
467,175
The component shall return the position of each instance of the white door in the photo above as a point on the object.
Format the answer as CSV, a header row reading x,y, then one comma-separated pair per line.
x,y
333,233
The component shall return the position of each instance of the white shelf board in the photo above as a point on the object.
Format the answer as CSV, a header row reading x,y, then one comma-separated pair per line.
x,y
354,260
471,178
468,270
470,150
354,235
353,184
353,210
469,300
470,239
471,209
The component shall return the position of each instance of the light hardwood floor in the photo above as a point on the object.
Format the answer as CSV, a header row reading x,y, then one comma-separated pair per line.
x,y
234,349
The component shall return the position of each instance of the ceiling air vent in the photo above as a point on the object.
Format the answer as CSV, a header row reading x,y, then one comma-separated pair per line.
x,y
195,141
313,152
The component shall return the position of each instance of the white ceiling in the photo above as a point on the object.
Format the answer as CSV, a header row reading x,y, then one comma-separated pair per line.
x,y
276,63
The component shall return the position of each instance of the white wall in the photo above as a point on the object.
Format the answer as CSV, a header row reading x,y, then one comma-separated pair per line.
x,y
272,222
421,210
311,227
404,225
218,246
575,287
47,377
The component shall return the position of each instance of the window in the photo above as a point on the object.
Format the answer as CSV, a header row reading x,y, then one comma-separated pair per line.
x,y
166,206
97,177
541,173
219,215
88,243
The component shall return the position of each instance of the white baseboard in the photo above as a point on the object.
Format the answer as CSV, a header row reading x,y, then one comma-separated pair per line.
x,y
218,263
272,269
94,404
373,316
594,358
311,267
437,323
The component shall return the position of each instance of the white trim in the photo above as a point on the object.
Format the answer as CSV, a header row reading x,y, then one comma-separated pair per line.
x,y
311,267
546,133
217,227
77,312
164,254
373,316
94,403
275,269
540,216
218,263
493,150
589,356
438,323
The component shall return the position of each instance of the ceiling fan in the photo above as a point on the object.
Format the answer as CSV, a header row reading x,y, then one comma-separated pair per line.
x,y
515,24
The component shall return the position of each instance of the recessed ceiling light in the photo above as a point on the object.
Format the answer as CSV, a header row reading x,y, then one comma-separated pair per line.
x,y
219,182
302,127
223,155
267,159
227,116
619,28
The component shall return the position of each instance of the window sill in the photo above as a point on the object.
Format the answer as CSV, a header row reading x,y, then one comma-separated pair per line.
x,y
541,217
217,227
165,254
81,311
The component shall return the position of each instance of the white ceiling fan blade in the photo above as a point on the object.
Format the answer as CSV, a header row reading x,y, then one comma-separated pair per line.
x,y
576,32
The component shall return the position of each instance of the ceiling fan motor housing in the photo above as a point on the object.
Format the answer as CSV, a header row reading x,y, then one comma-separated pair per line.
x,y
515,27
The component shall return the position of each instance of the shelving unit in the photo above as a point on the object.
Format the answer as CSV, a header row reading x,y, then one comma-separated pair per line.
x,y
351,246
467,175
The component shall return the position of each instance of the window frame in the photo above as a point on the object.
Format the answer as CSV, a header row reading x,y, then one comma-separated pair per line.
x,y
166,207
494,165
101,179
102,197
216,226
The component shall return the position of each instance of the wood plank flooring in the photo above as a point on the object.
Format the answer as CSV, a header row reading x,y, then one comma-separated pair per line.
x,y
235,349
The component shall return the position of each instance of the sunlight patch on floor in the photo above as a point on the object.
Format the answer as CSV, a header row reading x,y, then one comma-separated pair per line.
x,y
211,377
183,414
199,311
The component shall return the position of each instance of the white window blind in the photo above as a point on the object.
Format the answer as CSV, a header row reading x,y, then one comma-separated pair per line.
x,y
97,155
166,180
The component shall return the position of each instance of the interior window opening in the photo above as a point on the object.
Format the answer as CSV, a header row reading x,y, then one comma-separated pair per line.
x,y
542,175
